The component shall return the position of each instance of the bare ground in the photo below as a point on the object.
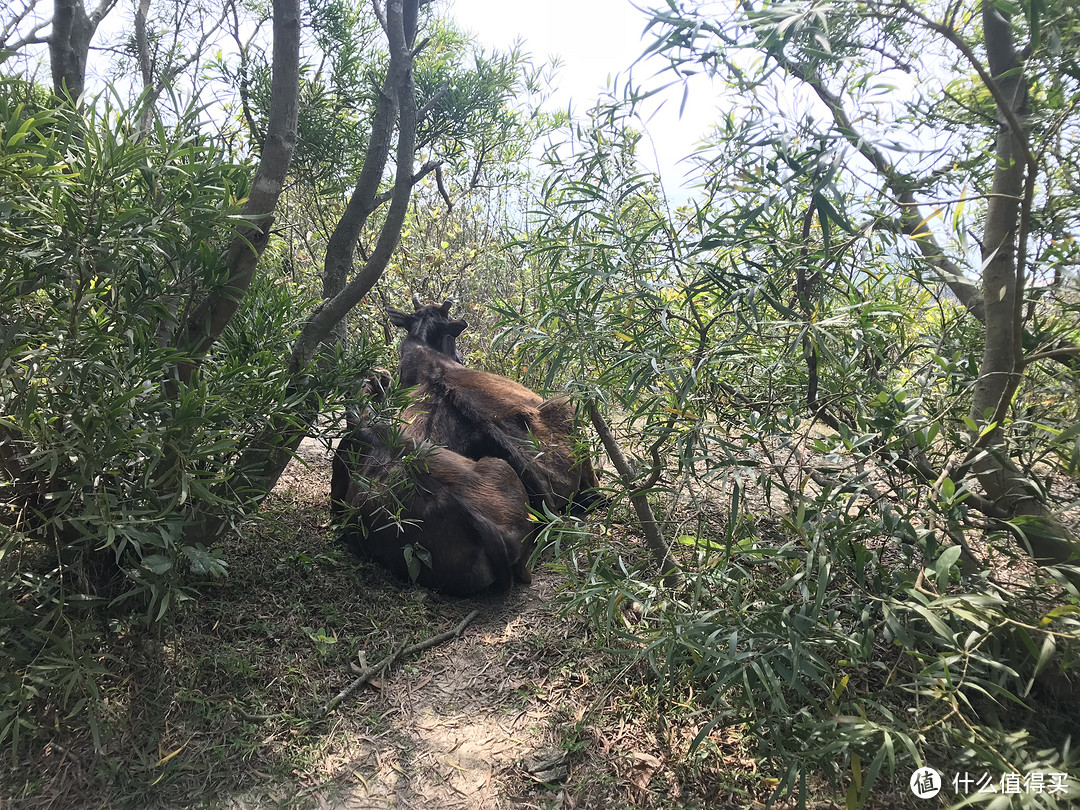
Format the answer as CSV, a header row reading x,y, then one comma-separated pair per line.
x,y
469,718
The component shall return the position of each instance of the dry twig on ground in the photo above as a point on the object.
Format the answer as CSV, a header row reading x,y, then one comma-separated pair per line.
x,y
394,657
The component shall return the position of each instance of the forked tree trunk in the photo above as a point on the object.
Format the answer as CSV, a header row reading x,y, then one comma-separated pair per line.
x,y
69,43
262,464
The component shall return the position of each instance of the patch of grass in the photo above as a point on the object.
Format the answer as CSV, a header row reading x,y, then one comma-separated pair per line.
x,y
626,743
228,698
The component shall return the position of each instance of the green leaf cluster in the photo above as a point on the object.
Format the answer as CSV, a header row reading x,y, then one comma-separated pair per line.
x,y
115,477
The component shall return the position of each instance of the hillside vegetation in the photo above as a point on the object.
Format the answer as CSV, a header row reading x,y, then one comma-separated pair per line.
x,y
832,392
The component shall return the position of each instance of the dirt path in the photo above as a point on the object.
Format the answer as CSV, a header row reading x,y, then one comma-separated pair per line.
x,y
468,719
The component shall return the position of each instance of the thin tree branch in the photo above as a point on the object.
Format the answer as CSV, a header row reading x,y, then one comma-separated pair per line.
x,y
422,172
28,40
170,75
438,96
103,8
1055,354
911,217
1004,103
669,569
31,37
380,14
474,181
440,182
16,20
142,46
242,48
419,48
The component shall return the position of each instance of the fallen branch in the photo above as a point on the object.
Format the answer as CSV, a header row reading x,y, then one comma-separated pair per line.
x,y
394,657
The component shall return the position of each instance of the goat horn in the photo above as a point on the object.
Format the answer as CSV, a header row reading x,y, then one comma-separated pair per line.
x,y
416,301
449,302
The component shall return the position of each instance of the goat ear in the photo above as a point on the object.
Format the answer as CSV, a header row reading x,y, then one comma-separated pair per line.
x,y
455,328
399,318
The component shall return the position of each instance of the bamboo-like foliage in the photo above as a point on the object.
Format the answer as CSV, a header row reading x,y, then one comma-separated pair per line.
x,y
157,345
103,466
805,341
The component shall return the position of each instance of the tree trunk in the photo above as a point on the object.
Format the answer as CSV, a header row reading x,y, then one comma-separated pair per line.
x,y
146,73
212,315
208,321
69,45
1000,372
1004,241
393,103
399,91
341,247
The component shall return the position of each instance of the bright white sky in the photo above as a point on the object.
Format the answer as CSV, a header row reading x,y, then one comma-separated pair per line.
x,y
596,41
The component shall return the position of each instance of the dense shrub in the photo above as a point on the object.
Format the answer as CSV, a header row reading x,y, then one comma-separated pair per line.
x,y
114,477
848,609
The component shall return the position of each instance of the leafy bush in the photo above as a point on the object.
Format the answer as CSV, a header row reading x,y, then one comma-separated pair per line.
x,y
852,612
114,476
831,677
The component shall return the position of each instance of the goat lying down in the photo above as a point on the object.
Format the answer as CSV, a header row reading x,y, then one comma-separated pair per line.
x,y
479,414
428,514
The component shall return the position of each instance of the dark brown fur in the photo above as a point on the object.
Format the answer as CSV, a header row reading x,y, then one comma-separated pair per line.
x,y
391,492
478,414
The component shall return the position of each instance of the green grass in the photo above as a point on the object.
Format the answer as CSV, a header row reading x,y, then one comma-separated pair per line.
x,y
228,698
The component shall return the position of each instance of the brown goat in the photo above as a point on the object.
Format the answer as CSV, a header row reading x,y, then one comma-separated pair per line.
x,y
479,414
428,514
